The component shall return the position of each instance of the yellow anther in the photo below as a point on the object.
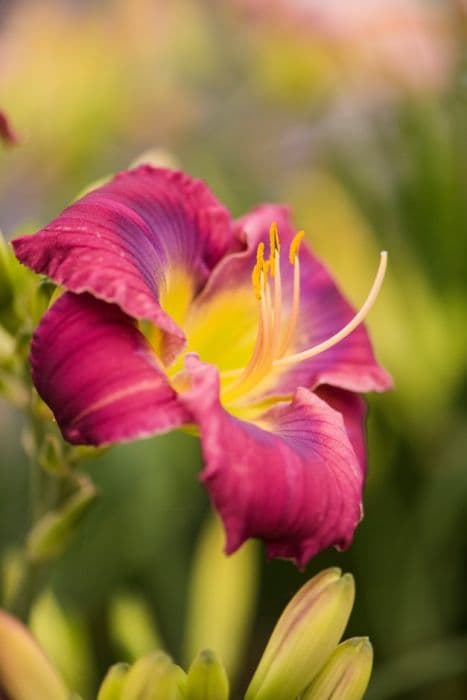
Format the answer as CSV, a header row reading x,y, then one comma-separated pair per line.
x,y
274,243
258,269
256,281
260,254
295,246
274,247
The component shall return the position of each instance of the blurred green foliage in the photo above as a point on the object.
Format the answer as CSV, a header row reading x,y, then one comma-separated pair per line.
x,y
263,111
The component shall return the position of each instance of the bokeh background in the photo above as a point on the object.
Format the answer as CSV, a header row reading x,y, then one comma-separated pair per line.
x,y
354,112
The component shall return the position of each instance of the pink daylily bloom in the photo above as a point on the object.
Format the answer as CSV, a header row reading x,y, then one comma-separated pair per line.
x,y
174,315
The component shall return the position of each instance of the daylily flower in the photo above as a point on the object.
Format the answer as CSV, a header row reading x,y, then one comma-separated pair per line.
x,y
176,315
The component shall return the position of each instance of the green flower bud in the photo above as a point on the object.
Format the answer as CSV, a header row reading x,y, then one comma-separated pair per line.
x,y
207,678
346,674
154,677
308,631
112,685
25,672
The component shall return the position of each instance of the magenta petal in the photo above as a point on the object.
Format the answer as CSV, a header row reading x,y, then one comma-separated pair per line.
x,y
120,241
323,311
353,409
296,485
98,375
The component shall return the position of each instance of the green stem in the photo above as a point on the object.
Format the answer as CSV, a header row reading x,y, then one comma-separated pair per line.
x,y
29,581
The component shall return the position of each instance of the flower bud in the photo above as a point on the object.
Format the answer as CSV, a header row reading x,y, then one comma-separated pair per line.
x,y
25,672
207,678
112,685
346,674
153,677
308,631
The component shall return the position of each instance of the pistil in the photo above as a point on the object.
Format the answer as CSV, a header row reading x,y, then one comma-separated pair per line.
x,y
348,328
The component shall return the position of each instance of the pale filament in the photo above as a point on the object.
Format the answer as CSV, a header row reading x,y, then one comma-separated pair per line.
x,y
289,331
277,312
260,361
264,331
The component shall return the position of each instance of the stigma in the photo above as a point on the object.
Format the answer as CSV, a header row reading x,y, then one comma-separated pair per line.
x,y
277,326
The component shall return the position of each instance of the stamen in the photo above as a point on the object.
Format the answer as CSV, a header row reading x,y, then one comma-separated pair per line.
x,y
295,246
258,270
260,360
348,328
267,308
264,331
271,343
293,317
277,313
274,247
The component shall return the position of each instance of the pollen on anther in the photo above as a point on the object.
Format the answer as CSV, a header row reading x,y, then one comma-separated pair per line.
x,y
274,243
260,254
257,270
274,247
295,246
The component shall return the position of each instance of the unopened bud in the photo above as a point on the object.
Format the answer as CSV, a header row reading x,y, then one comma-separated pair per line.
x,y
154,677
207,678
308,631
112,685
346,674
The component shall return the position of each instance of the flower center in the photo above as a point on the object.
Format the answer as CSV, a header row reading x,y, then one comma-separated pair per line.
x,y
274,336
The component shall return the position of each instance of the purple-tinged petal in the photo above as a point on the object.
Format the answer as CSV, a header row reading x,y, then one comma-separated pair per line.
x,y
235,270
7,133
98,374
124,241
353,409
293,480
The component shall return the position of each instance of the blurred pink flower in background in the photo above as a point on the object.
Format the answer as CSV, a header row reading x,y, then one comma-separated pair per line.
x,y
407,44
